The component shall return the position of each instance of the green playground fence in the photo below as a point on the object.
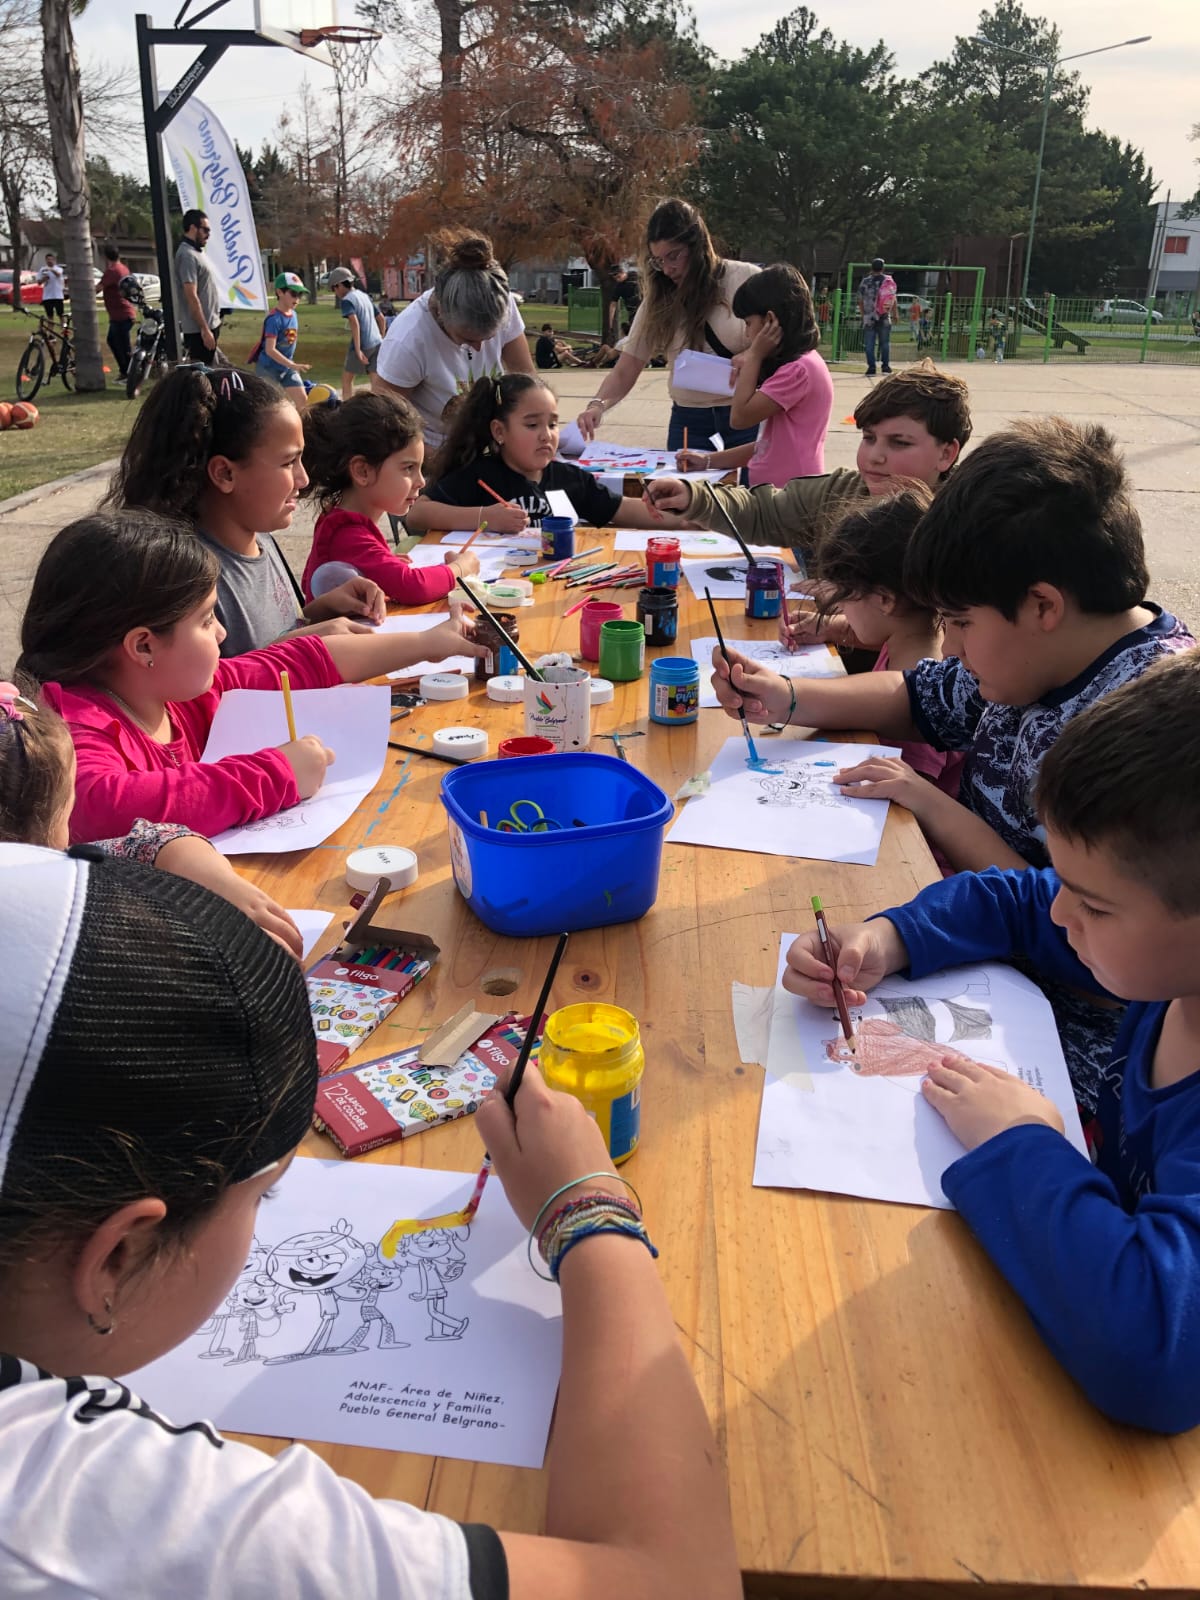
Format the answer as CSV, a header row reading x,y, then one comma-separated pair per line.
x,y
583,311
1044,328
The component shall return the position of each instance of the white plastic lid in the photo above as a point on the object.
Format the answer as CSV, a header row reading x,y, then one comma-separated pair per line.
x,y
467,744
602,691
364,868
443,686
506,686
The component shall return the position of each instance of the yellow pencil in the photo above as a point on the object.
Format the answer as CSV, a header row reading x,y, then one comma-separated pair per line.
x,y
285,685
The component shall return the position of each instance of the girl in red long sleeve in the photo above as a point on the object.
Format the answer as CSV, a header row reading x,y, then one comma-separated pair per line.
x,y
364,460
122,634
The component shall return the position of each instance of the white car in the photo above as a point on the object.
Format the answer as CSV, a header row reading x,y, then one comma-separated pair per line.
x,y
151,284
1124,311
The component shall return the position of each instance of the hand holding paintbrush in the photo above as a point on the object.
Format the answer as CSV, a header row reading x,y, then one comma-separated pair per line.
x,y
755,758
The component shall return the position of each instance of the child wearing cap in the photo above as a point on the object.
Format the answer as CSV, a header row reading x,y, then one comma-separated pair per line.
x,y
364,323
130,1182
274,355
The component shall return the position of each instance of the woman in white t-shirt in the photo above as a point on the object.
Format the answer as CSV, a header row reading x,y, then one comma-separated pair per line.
x,y
157,1071
687,305
468,326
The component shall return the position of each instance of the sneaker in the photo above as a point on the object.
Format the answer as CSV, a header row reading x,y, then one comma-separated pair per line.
x,y
870,372
887,372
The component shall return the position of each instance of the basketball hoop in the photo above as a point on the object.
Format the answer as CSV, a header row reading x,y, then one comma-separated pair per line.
x,y
351,47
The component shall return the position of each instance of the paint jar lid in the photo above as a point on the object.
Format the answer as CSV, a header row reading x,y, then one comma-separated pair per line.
x,y
506,686
443,686
466,744
364,868
602,691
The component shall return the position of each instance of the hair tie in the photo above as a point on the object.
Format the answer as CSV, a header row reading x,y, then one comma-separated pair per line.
x,y
11,700
497,393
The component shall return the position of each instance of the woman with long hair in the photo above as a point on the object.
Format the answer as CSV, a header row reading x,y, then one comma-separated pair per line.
x,y
688,294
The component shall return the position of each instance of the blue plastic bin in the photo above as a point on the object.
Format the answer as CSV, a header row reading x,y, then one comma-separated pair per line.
x,y
526,884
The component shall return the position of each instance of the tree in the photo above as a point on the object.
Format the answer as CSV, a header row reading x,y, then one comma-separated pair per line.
x,y
24,145
120,203
64,105
802,145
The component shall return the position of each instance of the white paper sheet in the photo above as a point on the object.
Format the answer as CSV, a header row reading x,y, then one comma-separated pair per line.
x,y
691,542
809,661
525,542
869,1132
724,577
420,622
351,719
703,371
795,810
312,925
492,563
560,505
473,1363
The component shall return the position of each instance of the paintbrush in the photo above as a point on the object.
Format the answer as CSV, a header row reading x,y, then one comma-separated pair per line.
x,y
729,523
515,648
839,993
712,611
460,1219
433,755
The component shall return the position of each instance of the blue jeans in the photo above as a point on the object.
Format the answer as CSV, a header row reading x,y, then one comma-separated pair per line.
x,y
700,422
883,332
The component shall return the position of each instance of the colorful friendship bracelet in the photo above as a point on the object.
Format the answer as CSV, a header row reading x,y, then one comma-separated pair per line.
x,y
537,1229
603,1217
584,1203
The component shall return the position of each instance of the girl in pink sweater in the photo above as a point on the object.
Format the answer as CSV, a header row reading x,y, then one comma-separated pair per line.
x,y
121,632
364,460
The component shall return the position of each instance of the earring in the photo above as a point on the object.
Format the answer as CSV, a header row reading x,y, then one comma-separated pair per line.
x,y
95,1326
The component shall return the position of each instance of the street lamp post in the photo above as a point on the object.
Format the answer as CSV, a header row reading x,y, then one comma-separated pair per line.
x,y
1051,67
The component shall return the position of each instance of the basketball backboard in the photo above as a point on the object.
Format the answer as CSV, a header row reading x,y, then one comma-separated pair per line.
x,y
285,20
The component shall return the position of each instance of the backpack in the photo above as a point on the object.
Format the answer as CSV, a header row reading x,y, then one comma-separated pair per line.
x,y
885,296
258,348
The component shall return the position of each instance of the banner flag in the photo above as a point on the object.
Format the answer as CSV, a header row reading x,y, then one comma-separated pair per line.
x,y
210,179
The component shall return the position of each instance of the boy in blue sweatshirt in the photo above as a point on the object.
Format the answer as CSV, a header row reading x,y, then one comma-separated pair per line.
x,y
1105,1257
1032,552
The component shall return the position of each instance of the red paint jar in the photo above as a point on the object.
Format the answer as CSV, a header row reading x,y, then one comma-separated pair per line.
x,y
662,561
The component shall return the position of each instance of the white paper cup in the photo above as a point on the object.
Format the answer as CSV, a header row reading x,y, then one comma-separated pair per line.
x,y
560,707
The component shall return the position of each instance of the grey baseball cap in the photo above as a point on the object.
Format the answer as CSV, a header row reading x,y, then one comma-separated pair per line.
x,y
340,275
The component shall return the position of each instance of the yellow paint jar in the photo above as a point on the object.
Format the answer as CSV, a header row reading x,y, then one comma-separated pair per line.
x,y
594,1052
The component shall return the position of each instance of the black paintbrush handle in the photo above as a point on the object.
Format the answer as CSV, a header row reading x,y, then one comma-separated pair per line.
x,y
433,755
729,523
518,1072
515,648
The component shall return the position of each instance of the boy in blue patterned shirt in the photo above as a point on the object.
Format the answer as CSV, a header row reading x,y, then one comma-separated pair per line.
x,y
1032,552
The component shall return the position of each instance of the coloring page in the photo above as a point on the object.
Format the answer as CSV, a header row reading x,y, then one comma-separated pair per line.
x,y
691,543
855,1122
529,544
451,1347
419,622
788,806
492,563
352,720
726,580
809,661
312,925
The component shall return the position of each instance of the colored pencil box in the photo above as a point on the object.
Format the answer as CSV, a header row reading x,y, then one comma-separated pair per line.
x,y
395,1096
360,983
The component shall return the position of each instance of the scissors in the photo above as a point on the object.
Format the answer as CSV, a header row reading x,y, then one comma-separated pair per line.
x,y
513,823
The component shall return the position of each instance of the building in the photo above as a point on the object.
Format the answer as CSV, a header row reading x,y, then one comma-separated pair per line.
x,y
1174,252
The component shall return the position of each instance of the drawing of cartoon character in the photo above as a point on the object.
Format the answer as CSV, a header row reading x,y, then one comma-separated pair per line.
x,y
436,1253
259,1306
320,1263
904,1042
218,1323
800,786
376,1278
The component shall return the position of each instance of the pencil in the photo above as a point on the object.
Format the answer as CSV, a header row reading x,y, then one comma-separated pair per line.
x,y
482,528
839,994
285,686
487,489
685,441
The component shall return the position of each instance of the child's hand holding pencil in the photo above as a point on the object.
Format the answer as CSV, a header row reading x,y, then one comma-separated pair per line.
x,y
865,953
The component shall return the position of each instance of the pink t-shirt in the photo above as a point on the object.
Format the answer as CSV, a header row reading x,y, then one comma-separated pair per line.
x,y
791,442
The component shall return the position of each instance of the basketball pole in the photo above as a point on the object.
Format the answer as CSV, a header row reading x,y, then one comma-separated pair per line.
x,y
157,116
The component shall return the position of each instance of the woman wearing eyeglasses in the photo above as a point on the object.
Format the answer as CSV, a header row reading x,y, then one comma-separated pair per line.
x,y
688,291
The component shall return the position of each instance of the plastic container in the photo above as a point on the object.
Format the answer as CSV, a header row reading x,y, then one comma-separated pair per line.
x,y
527,884
558,707
592,615
764,588
525,744
662,561
500,660
558,538
658,613
593,1052
622,651
674,690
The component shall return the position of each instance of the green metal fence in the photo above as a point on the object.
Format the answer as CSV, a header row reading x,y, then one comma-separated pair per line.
x,y
965,328
583,310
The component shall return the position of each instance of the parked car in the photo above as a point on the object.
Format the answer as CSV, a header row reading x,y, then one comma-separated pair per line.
x,y
31,289
150,282
1123,311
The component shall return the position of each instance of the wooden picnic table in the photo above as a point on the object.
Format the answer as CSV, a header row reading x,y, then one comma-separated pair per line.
x,y
889,1419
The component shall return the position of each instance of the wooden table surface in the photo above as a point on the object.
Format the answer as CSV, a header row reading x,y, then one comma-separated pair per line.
x,y
890,1422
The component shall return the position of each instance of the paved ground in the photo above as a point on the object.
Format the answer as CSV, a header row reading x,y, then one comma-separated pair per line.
x,y
1153,411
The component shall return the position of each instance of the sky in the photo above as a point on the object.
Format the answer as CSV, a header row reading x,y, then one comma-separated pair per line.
x,y
1145,95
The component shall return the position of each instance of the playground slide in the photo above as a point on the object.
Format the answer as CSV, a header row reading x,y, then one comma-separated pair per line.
x,y
1028,313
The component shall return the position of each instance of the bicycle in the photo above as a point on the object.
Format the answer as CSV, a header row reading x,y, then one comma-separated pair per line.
x,y
49,352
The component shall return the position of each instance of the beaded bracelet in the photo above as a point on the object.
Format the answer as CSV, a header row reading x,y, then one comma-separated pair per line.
x,y
587,1202
603,1215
